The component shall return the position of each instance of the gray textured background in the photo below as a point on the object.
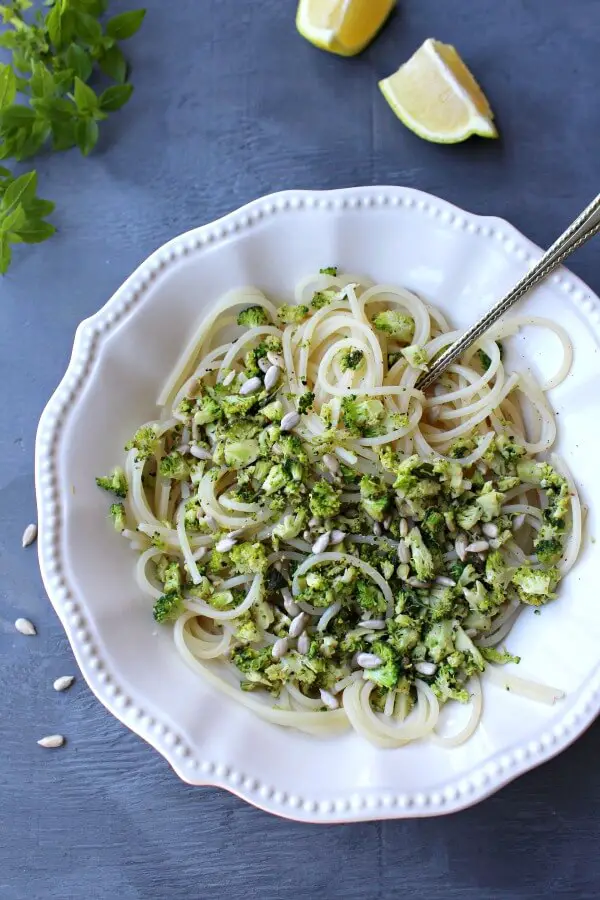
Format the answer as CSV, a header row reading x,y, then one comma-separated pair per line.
x,y
230,104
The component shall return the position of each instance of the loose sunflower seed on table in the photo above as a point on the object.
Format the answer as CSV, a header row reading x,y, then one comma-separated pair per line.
x,y
24,626
51,741
63,683
29,535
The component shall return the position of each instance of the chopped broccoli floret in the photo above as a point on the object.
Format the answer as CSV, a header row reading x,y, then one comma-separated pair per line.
x,y
351,359
440,603
252,316
374,497
275,480
241,453
329,270
324,500
208,411
273,411
253,663
144,441
249,559
174,466
403,634
386,675
237,406
292,315
115,483
489,502
117,514
322,298
535,586
169,574
447,685
434,525
416,357
305,402
369,598
291,526
468,516
439,640
168,607
491,654
363,417
395,323
422,559
497,572
548,549
412,481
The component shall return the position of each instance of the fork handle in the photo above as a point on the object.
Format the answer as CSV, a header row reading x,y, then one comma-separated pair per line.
x,y
585,226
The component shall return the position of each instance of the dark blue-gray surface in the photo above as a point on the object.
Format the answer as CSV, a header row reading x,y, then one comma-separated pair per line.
x,y
230,104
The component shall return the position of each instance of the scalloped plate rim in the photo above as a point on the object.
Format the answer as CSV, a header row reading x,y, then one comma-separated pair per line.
x,y
360,804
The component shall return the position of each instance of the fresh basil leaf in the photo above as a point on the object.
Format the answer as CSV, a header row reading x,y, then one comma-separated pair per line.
x,y
61,26
87,28
113,64
5,254
42,82
38,208
85,98
113,98
79,61
16,116
125,24
86,135
12,221
34,231
63,134
19,192
8,86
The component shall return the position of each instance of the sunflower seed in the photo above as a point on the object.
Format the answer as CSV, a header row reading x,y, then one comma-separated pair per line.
x,y
251,386
466,484
337,536
403,552
24,626
377,529
314,522
264,365
368,660
330,462
275,359
444,581
225,545
200,452
329,700
403,527
229,378
495,544
51,741
387,522
280,648
303,645
183,449
477,547
272,376
63,683
518,522
460,545
414,582
471,632
29,535
289,421
425,668
298,624
322,543
490,530
374,624
289,604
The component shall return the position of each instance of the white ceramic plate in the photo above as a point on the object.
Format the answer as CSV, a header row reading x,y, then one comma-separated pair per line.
x,y
120,359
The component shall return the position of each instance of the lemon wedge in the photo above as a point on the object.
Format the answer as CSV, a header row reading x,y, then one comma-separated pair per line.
x,y
342,26
436,96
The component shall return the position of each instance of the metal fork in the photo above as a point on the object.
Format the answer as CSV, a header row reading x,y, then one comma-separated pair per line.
x,y
585,226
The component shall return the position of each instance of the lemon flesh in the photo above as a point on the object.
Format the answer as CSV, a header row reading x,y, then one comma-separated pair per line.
x,y
436,96
344,27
